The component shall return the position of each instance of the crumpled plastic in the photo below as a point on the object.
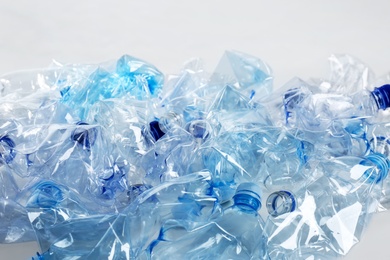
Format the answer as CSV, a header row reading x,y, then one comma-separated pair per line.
x,y
101,161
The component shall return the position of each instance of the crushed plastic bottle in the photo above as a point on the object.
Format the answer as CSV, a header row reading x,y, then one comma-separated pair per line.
x,y
332,216
237,234
317,111
132,77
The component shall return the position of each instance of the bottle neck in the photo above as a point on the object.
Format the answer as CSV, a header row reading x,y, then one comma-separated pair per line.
x,y
281,202
248,197
382,96
46,195
381,163
170,120
247,202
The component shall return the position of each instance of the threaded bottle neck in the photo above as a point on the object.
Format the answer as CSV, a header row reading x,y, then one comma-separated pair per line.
x,y
382,96
46,195
281,202
381,163
248,197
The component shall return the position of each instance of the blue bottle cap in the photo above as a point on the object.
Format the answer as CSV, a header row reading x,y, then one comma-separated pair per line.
x,y
155,130
382,96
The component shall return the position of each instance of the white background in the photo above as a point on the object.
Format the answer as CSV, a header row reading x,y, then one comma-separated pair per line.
x,y
293,37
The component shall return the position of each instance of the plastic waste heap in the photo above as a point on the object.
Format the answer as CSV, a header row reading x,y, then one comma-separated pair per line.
x,y
119,161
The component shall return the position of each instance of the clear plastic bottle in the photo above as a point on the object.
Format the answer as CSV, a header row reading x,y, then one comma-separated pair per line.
x,y
237,234
249,75
231,111
50,207
330,211
319,110
231,158
139,224
285,156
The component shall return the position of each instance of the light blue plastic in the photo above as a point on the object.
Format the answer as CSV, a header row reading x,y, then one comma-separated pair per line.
x,y
118,161
237,234
132,77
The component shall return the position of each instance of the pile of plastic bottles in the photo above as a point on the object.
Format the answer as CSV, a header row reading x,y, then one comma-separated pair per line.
x,y
118,161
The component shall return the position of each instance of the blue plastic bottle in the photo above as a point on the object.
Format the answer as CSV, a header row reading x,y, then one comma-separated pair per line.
x,y
132,78
237,234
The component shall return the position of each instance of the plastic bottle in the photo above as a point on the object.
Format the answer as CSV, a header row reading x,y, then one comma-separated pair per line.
x,y
169,157
139,223
379,142
63,225
347,137
347,75
15,225
284,101
231,158
329,211
49,206
131,77
231,111
285,156
158,128
319,110
235,235
249,75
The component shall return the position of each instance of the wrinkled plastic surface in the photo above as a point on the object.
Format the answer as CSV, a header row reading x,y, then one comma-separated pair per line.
x,y
119,161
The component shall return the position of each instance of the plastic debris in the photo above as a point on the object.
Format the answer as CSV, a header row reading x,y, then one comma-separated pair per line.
x,y
118,161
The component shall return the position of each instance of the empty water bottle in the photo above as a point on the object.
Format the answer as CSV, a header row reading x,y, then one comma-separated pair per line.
x,y
132,77
139,224
318,211
231,158
248,74
50,204
318,111
231,111
15,225
237,234
347,75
